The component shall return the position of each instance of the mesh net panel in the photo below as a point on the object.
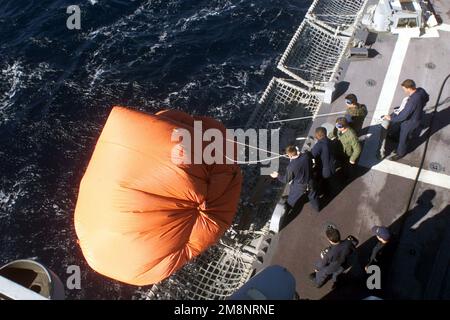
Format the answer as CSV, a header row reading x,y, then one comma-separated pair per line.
x,y
278,101
281,100
314,54
215,274
336,12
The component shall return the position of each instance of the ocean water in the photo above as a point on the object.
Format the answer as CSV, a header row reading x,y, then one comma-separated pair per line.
x,y
57,87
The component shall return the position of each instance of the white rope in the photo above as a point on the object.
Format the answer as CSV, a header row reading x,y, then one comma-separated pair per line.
x,y
256,161
250,146
334,15
309,71
308,117
253,147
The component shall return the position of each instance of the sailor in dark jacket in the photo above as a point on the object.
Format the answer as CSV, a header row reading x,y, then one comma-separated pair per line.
x,y
300,176
334,259
322,153
380,252
410,117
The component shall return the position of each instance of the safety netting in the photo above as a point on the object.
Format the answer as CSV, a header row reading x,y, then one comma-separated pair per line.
x,y
278,101
282,99
214,275
336,14
313,55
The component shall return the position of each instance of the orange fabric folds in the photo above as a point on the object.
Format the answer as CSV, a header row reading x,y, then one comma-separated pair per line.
x,y
139,215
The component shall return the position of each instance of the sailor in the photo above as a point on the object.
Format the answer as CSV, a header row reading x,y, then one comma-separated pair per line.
x,y
350,147
355,113
409,118
324,157
334,259
381,257
322,153
300,177
348,139
380,251
386,126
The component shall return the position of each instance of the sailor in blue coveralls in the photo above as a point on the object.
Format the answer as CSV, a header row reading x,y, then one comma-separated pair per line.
x,y
299,174
323,154
334,259
408,120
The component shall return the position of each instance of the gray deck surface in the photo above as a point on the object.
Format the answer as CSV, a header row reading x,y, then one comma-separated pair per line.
x,y
421,266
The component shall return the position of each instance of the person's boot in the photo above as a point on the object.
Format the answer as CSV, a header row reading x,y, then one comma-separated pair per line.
x,y
315,205
396,157
381,155
287,209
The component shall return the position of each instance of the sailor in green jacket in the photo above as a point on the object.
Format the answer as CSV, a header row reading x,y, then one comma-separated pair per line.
x,y
355,113
349,140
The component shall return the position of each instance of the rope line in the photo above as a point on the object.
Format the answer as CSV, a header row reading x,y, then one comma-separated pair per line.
x,y
253,147
309,117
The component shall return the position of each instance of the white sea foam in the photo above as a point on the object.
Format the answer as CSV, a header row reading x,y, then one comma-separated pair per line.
x,y
13,75
163,36
183,93
8,199
108,30
204,14
242,77
263,67
97,75
154,47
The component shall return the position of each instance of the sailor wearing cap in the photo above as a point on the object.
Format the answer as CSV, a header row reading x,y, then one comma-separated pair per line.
x,y
384,238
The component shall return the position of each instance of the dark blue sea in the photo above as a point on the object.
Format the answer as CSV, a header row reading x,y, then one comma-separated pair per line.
x,y
57,87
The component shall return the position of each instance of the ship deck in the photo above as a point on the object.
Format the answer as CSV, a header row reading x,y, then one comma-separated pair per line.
x,y
386,192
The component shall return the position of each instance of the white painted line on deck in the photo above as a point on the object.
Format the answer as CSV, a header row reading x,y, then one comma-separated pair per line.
x,y
444,27
390,85
434,31
409,172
